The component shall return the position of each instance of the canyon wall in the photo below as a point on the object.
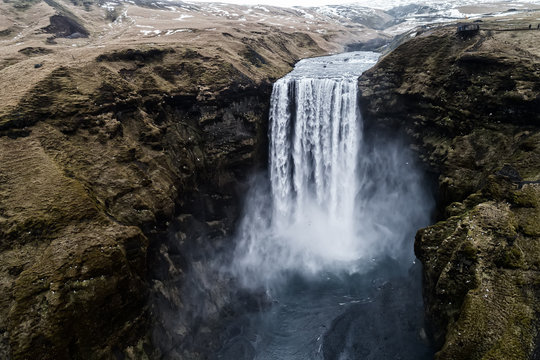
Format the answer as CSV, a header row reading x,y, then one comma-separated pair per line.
x,y
103,165
469,105
123,162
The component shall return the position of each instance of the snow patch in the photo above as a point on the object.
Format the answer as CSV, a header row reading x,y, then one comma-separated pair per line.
x,y
261,8
110,5
183,16
175,31
150,32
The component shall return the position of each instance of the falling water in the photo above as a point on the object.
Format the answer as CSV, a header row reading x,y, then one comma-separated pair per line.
x,y
313,156
328,233
335,201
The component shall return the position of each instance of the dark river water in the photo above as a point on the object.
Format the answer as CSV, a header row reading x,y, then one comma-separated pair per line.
x,y
373,315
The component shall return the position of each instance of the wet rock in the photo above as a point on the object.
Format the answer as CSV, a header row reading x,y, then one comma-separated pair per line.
x,y
370,45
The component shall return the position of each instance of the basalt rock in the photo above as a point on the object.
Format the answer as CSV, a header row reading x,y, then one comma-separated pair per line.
x,y
470,108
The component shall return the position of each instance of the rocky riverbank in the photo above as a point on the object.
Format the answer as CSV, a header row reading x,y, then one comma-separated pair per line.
x,y
469,105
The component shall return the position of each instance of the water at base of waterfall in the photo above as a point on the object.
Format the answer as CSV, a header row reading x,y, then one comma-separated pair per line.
x,y
362,316
328,234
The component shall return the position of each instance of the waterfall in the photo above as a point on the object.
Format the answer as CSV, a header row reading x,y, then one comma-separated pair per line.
x,y
314,149
333,202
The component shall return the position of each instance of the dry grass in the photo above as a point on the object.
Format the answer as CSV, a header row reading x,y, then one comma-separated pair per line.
x,y
210,32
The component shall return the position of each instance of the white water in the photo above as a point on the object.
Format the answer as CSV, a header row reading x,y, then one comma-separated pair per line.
x,y
334,201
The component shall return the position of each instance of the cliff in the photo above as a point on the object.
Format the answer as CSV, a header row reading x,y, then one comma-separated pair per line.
x,y
108,143
469,105
125,145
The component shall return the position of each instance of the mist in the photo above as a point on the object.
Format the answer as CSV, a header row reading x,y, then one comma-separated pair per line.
x,y
335,201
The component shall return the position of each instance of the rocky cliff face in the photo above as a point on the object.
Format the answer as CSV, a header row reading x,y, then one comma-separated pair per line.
x,y
123,153
102,165
469,105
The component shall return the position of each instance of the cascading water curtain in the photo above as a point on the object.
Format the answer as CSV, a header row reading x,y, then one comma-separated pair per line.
x,y
334,203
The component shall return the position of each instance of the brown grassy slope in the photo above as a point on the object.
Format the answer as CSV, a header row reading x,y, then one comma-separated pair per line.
x,y
210,33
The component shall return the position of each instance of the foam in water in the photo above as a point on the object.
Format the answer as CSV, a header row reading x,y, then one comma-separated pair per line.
x,y
333,202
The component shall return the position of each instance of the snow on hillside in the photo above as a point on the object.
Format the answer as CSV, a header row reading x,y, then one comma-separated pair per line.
x,y
398,16
391,17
